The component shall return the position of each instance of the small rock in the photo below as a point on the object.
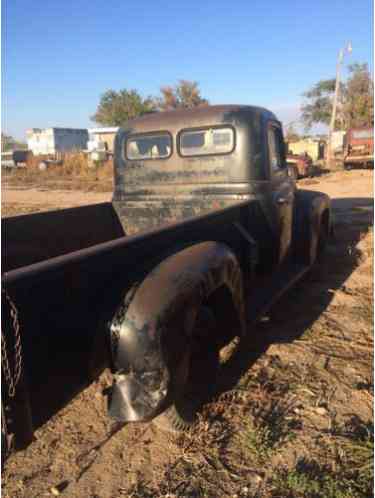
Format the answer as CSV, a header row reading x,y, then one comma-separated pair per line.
x,y
320,410
55,491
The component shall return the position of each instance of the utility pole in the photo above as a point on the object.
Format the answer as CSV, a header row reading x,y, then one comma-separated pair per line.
x,y
347,49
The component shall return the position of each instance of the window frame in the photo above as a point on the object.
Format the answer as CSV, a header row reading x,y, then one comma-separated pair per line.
x,y
273,126
150,134
203,128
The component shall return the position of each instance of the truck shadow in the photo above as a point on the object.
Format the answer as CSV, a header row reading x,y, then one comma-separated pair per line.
x,y
299,308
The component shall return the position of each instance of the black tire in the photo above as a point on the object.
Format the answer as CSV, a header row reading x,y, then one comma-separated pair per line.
x,y
181,415
323,241
293,172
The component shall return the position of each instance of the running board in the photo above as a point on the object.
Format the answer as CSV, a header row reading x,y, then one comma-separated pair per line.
x,y
271,289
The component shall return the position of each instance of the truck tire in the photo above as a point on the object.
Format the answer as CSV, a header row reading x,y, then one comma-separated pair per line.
x,y
194,390
293,172
323,238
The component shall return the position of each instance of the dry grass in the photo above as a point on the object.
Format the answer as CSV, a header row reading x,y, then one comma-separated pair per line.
x,y
73,173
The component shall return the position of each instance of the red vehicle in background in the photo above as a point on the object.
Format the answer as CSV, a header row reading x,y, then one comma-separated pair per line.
x,y
299,165
359,148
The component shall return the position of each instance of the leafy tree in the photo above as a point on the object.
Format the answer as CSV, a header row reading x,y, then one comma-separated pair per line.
x,y
355,106
116,108
358,105
318,108
185,94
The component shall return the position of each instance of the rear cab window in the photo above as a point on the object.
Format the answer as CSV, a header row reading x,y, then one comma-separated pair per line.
x,y
156,145
206,141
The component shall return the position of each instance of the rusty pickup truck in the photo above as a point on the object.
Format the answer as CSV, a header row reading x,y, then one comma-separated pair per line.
x,y
205,231
359,148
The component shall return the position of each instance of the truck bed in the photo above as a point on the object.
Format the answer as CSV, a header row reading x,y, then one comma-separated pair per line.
x,y
68,270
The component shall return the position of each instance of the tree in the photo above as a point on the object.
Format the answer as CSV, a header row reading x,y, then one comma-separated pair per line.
x,y
358,105
8,143
318,109
355,106
185,94
116,108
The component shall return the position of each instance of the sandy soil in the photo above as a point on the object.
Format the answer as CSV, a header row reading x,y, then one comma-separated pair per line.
x,y
16,200
300,386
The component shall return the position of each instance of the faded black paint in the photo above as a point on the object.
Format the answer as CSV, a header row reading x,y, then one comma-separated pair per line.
x,y
69,271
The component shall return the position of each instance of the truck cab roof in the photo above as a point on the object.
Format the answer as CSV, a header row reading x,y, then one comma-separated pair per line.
x,y
198,116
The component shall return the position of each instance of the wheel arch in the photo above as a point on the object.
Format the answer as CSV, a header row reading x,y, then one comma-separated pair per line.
x,y
151,330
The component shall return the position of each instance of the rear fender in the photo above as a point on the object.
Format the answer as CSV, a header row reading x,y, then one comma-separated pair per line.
x,y
311,209
164,305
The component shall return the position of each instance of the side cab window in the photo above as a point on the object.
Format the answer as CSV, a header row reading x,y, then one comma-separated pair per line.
x,y
276,152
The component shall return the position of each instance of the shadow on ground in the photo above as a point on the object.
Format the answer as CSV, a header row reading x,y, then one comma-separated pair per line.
x,y
298,309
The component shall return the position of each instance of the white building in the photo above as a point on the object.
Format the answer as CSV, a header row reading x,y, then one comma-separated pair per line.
x,y
55,140
102,139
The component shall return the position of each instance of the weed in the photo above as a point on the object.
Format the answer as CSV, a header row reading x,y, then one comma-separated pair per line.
x,y
311,479
272,425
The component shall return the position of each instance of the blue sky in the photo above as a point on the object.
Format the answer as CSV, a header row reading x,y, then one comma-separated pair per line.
x,y
59,57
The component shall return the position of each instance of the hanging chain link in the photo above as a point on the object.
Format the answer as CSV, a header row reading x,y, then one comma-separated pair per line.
x,y
12,378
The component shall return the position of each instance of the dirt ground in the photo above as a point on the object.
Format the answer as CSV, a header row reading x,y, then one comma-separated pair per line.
x,y
293,410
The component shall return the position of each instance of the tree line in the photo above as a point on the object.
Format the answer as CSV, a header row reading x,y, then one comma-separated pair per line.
x,y
355,106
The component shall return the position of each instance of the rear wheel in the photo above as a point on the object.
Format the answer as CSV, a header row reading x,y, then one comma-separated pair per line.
x,y
198,383
323,239
293,172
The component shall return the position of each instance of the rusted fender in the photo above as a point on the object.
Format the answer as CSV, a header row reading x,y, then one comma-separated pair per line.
x,y
164,306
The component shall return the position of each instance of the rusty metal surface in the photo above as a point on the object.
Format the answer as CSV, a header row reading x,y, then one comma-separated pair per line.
x,y
359,149
144,369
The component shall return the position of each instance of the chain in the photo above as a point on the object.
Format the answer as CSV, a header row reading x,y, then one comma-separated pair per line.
x,y
12,378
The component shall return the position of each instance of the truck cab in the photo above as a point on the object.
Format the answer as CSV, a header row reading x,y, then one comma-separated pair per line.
x,y
175,165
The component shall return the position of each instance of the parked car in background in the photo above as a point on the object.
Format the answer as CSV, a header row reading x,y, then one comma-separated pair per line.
x,y
359,148
300,165
14,158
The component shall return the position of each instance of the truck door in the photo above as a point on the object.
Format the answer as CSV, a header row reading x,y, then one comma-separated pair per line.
x,y
282,188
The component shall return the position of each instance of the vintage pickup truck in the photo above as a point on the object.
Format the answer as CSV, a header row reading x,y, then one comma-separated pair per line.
x,y
205,231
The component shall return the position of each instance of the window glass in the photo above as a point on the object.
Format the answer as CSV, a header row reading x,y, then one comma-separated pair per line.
x,y
149,146
275,148
206,141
